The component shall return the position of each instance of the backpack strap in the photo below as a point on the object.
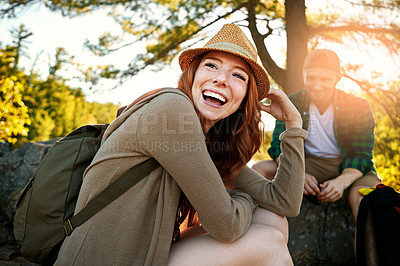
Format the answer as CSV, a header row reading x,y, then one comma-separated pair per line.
x,y
116,189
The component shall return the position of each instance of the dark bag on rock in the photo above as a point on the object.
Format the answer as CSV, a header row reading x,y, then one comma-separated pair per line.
x,y
44,215
384,205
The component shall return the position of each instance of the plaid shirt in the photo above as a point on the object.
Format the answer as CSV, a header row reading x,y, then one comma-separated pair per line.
x,y
353,127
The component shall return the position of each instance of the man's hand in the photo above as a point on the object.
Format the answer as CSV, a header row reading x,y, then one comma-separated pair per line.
x,y
310,185
331,190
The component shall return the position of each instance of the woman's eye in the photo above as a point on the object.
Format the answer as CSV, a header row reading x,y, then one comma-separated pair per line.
x,y
211,65
240,76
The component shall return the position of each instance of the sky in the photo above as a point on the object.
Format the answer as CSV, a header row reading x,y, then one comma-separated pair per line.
x,y
51,30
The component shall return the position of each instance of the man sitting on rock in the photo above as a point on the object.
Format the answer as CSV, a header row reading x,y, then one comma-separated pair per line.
x,y
340,139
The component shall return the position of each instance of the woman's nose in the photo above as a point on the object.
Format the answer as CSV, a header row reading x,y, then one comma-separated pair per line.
x,y
221,78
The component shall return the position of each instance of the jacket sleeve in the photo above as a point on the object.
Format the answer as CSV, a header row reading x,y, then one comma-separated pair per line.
x,y
170,131
284,194
275,150
360,142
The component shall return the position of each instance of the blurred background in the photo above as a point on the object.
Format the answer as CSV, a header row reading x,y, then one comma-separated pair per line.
x,y
64,64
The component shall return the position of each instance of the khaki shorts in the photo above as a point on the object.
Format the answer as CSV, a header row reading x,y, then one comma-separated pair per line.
x,y
324,169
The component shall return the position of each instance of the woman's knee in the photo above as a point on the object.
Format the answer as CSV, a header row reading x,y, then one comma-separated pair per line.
x,y
263,216
261,245
266,243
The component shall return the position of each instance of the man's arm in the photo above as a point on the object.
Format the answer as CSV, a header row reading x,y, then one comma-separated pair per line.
x,y
360,141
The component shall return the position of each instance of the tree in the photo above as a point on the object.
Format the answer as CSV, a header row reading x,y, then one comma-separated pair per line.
x,y
36,109
172,28
387,138
14,116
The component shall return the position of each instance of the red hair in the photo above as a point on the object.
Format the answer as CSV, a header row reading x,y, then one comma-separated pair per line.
x,y
232,141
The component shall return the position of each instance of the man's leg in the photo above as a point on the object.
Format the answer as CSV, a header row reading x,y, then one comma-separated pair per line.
x,y
266,168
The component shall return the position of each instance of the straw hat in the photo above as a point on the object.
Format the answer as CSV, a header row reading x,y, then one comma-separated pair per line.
x,y
231,39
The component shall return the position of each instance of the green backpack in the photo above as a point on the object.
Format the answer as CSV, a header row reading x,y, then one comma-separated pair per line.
x,y
44,215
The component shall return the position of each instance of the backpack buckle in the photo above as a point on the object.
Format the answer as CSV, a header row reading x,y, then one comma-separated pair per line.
x,y
68,228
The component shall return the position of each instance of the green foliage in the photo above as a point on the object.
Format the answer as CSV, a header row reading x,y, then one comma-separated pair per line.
x,y
262,154
56,109
14,116
36,109
387,138
13,112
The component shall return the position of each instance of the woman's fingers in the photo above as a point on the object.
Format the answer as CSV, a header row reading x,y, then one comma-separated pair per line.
x,y
266,108
282,108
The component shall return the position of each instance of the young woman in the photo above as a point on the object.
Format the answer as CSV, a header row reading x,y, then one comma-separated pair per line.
x,y
202,134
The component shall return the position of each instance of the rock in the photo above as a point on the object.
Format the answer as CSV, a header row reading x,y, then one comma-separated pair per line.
x,y
322,235
9,255
4,147
16,168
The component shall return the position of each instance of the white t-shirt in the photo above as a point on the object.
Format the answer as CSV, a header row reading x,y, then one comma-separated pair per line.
x,y
321,140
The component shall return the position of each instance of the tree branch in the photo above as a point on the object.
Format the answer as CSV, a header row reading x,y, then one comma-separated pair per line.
x,y
372,5
10,10
133,70
366,87
270,30
352,28
277,73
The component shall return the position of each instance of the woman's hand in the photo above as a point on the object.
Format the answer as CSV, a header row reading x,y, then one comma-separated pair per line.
x,y
282,108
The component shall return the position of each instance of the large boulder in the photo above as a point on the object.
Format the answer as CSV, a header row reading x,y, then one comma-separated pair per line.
x,y
16,168
322,234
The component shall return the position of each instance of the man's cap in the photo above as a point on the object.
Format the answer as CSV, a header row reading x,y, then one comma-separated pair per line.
x,y
322,58
231,39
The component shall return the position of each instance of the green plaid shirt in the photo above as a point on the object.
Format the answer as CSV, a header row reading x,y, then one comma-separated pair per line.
x,y
353,125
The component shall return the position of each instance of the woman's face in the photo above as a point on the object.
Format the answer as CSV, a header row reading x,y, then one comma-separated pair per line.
x,y
219,86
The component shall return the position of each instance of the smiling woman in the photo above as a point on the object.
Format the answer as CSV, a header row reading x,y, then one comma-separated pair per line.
x,y
202,134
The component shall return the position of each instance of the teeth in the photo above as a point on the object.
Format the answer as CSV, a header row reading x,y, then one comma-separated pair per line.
x,y
215,95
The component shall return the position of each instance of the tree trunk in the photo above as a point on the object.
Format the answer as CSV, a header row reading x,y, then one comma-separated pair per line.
x,y
277,73
296,30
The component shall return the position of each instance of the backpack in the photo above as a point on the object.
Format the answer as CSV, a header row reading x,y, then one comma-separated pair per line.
x,y
44,214
384,205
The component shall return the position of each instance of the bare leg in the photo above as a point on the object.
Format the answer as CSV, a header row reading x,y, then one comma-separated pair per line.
x,y
354,199
266,168
262,216
265,243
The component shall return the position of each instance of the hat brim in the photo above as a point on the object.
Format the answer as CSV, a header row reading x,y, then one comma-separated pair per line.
x,y
260,74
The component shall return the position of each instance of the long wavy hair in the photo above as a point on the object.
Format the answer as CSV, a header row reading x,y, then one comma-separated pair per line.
x,y
232,141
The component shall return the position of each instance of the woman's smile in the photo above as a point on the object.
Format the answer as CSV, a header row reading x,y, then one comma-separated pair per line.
x,y
214,98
